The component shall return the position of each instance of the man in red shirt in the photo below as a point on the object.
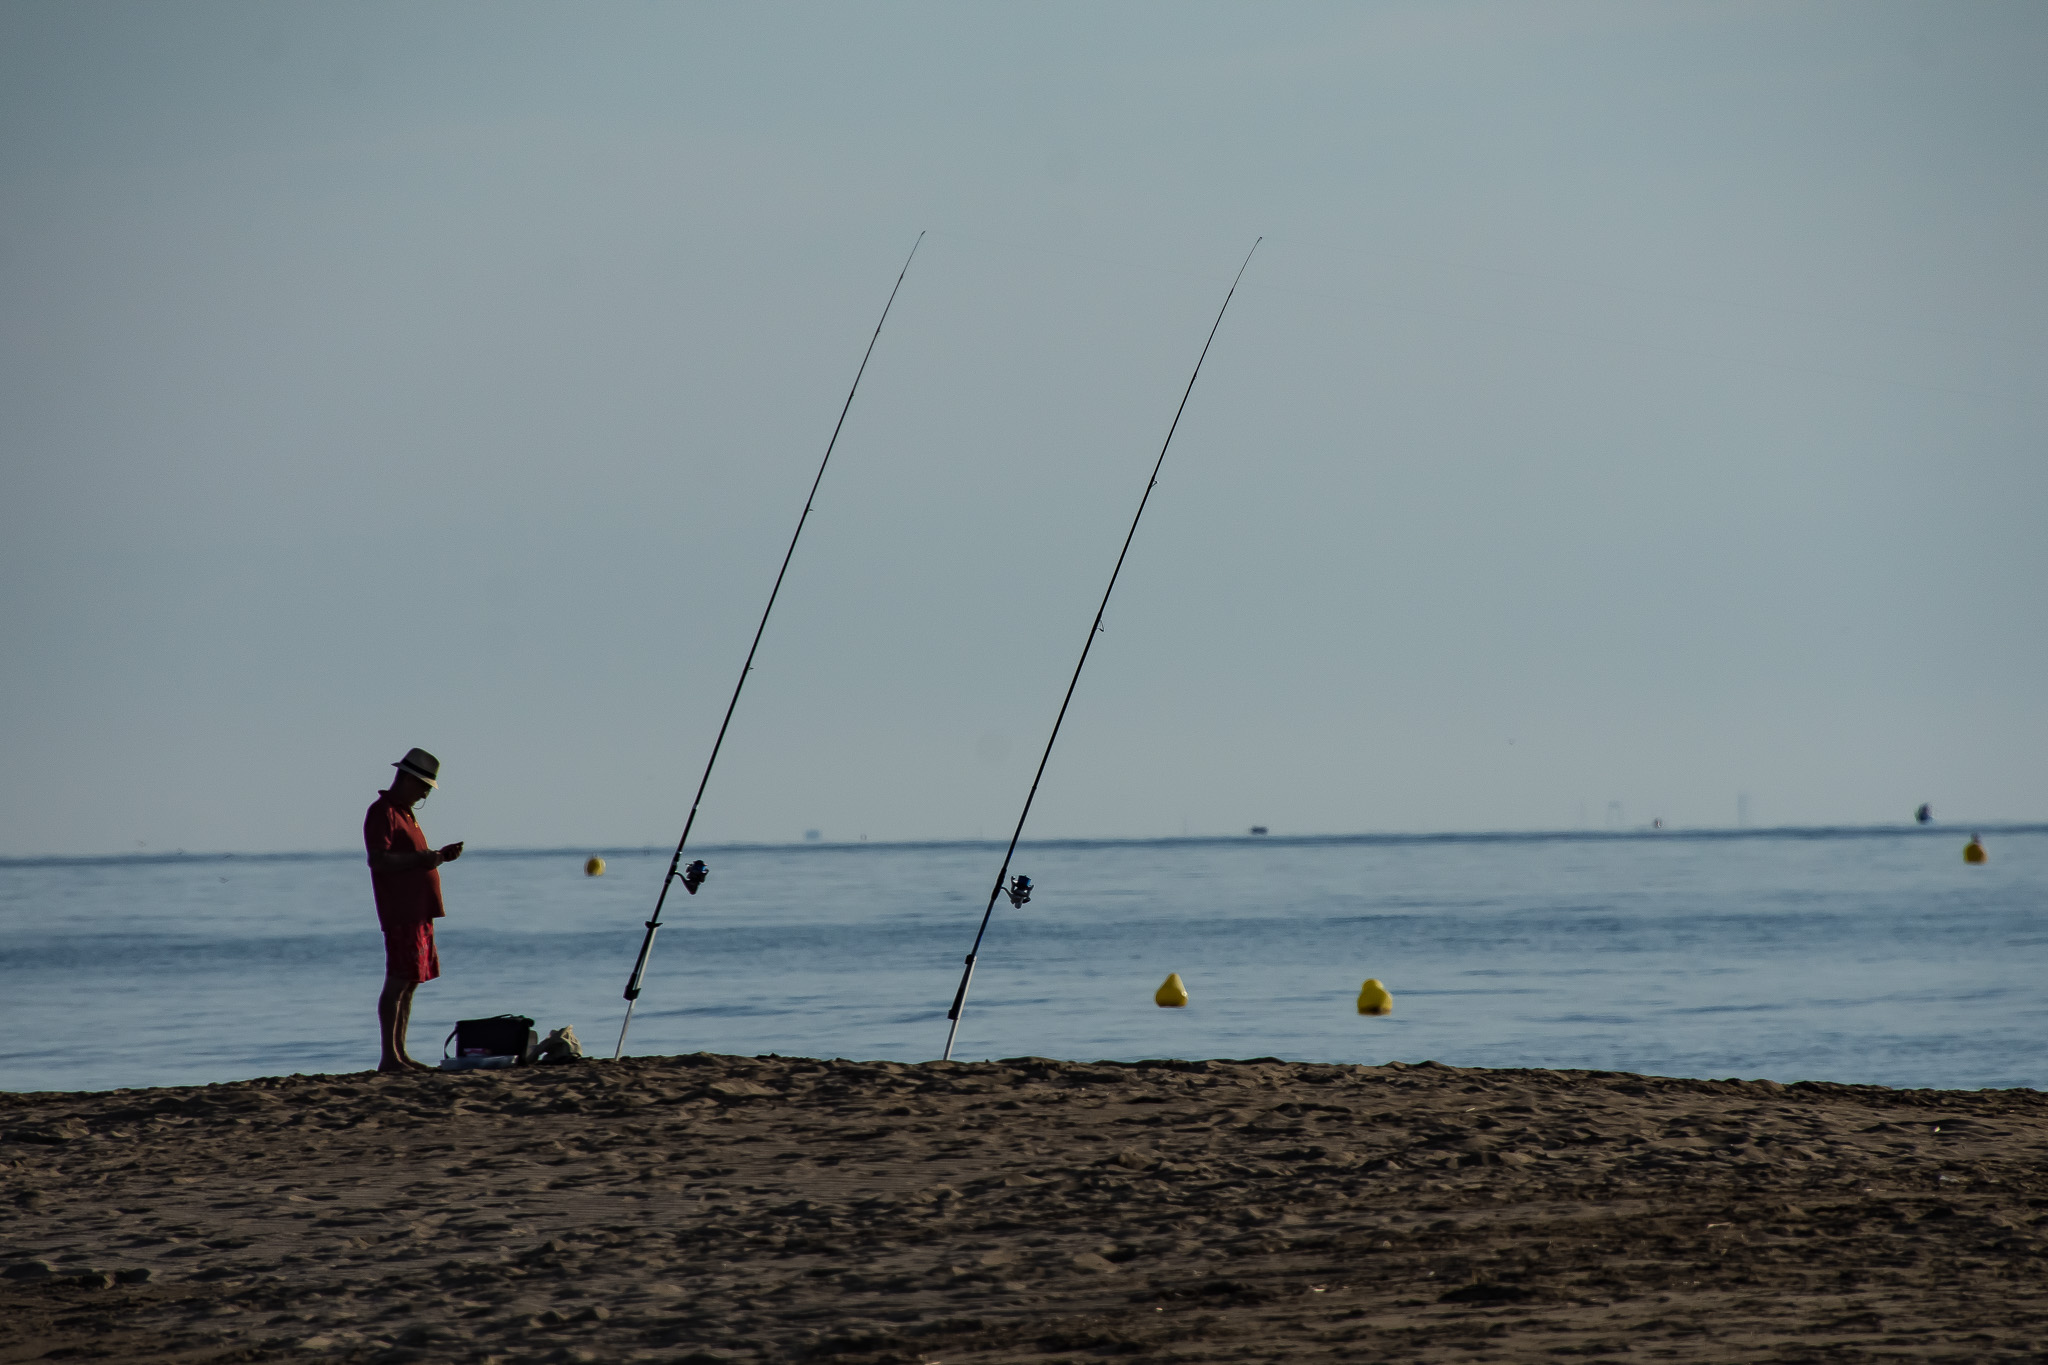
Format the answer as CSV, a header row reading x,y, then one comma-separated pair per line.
x,y
408,888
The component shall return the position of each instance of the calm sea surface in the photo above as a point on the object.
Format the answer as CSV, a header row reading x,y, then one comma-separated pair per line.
x,y
1848,955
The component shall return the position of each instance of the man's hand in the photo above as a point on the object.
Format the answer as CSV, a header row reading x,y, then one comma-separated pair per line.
x,y
405,860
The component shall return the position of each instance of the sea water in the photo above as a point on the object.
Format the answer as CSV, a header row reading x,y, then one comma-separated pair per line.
x,y
1847,955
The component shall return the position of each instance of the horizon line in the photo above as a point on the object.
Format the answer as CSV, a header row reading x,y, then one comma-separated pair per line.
x,y
1701,832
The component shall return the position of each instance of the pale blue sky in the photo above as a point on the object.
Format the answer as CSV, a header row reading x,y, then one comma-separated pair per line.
x,y
1631,403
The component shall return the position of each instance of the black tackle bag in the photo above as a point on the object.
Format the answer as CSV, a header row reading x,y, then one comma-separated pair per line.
x,y
481,1042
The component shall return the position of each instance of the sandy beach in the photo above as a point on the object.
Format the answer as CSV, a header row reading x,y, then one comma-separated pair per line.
x,y
707,1208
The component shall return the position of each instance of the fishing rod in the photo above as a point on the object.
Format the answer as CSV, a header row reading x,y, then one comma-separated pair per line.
x,y
695,874
1019,889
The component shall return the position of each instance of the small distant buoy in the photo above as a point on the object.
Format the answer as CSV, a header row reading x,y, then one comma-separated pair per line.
x,y
594,868
1172,993
1373,998
1973,852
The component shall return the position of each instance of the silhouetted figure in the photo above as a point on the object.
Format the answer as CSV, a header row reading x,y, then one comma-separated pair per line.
x,y
405,878
1925,814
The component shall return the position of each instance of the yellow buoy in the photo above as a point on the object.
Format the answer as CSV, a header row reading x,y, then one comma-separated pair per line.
x,y
594,868
1172,994
1373,998
1973,852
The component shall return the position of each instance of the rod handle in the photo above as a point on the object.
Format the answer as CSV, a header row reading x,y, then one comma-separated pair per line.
x,y
620,1050
960,996
640,964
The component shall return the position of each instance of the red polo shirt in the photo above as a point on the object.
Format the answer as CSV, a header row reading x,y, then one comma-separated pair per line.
x,y
403,898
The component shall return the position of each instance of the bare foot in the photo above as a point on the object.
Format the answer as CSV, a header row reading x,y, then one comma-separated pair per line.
x,y
415,1064
389,1066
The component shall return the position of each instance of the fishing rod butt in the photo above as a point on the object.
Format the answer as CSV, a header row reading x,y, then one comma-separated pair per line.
x,y
959,1008
960,996
639,974
620,1050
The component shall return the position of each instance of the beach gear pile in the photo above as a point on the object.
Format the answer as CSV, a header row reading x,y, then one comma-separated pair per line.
x,y
506,1040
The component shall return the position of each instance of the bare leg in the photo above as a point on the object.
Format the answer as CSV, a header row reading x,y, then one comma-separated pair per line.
x,y
394,1012
405,1022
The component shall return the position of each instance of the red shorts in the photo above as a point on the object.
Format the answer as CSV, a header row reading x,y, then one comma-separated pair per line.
x,y
409,953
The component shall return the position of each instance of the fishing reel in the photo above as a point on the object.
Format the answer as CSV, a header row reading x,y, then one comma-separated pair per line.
x,y
693,876
1019,889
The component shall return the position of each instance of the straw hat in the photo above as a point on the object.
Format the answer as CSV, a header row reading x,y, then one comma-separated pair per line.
x,y
420,764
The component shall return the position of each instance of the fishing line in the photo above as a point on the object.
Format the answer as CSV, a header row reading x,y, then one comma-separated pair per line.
x,y
695,874
1019,890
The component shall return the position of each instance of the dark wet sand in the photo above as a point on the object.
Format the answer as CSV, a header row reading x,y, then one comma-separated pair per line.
x,y
704,1208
